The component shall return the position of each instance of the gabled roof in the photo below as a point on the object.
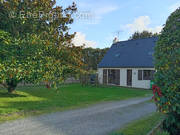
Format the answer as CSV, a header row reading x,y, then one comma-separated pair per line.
x,y
131,53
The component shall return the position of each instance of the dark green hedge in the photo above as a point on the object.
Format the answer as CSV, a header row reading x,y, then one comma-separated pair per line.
x,y
167,78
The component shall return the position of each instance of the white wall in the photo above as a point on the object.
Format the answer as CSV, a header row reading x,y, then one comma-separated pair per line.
x,y
140,83
123,77
100,75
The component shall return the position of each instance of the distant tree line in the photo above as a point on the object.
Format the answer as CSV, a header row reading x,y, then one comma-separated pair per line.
x,y
92,57
143,34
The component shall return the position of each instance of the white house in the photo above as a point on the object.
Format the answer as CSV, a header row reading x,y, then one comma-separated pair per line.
x,y
128,63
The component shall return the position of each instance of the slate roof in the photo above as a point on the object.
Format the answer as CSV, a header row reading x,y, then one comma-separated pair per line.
x,y
130,54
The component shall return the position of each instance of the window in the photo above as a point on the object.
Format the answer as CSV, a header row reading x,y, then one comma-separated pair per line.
x,y
140,74
148,74
145,74
114,76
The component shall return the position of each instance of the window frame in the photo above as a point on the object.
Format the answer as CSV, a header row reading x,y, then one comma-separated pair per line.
x,y
140,75
149,74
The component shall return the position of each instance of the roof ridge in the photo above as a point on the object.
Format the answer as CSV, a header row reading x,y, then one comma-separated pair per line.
x,y
135,39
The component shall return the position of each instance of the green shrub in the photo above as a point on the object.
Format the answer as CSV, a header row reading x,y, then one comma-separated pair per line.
x,y
167,77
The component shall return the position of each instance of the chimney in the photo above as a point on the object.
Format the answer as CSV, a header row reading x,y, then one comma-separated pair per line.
x,y
115,40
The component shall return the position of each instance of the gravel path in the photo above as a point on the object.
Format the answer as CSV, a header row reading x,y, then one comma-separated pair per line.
x,y
100,119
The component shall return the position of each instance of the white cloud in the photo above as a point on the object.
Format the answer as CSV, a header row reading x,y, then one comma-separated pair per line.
x,y
142,23
173,7
97,10
80,39
106,9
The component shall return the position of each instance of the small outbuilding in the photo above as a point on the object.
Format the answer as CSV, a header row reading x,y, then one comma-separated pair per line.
x,y
128,63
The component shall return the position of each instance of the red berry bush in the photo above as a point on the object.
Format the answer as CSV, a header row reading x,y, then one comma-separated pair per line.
x,y
167,78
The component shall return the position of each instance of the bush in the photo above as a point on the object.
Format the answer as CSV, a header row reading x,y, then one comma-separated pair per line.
x,y
167,77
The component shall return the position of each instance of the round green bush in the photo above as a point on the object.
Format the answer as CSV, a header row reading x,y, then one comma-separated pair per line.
x,y
167,77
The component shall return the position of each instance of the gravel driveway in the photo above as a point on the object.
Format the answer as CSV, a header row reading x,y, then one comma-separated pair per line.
x,y
100,119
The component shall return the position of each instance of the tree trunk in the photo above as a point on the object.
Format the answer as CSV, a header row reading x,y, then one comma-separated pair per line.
x,y
11,85
11,89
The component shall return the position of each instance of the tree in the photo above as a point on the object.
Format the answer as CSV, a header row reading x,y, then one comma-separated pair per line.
x,y
144,34
92,57
35,44
167,77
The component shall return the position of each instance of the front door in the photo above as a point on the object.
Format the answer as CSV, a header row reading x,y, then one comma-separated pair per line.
x,y
129,77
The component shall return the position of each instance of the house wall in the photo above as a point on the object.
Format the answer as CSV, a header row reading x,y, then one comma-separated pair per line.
x,y
123,77
140,83
100,75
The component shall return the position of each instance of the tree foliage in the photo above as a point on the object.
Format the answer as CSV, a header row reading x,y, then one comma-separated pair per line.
x,y
35,44
143,34
167,78
92,57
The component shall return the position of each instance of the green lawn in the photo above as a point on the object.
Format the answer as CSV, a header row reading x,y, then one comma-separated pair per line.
x,y
36,100
160,132
142,126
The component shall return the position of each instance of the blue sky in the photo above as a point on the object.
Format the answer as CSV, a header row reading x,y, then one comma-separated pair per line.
x,y
97,22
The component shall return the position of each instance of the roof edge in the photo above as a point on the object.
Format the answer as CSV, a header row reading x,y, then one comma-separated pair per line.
x,y
135,39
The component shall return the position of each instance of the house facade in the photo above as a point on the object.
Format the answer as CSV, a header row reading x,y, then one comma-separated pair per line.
x,y
128,64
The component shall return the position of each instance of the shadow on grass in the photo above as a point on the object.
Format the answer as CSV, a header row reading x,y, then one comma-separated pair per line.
x,y
13,95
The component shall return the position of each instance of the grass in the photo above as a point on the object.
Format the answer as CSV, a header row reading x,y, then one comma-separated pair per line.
x,y
37,100
160,132
142,126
